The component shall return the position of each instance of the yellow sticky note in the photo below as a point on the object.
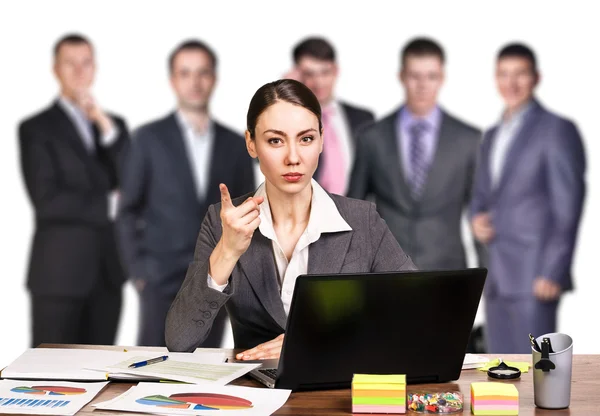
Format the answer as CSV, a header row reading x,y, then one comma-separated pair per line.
x,y
379,378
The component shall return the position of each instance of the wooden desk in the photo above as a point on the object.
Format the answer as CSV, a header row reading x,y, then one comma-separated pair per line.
x,y
585,390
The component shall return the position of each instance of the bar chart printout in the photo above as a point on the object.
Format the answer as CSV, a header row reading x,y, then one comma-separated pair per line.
x,y
46,398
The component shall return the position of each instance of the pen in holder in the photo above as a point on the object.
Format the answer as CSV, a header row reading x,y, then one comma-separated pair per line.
x,y
552,357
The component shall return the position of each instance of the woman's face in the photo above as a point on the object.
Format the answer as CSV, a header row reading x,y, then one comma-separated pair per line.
x,y
287,144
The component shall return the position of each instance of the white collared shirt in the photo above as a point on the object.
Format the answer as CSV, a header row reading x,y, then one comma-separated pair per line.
x,y
324,218
344,135
84,126
505,136
198,146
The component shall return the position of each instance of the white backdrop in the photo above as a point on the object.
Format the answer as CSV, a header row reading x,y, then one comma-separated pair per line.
x,y
253,41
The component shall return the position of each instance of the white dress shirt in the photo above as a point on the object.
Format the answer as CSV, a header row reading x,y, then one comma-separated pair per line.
x,y
198,146
344,135
324,218
84,126
505,136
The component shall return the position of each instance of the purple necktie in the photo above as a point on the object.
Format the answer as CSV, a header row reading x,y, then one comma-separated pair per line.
x,y
418,159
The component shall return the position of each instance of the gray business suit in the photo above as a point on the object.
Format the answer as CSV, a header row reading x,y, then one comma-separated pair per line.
x,y
252,297
428,229
535,210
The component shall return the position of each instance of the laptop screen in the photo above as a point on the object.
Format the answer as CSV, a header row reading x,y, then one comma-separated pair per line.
x,y
413,323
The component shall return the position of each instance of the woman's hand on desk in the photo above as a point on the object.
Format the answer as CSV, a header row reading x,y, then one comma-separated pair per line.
x,y
265,351
239,224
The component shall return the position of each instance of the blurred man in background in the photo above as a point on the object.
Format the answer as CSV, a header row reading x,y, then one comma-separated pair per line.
x,y
526,207
171,175
316,67
418,163
69,158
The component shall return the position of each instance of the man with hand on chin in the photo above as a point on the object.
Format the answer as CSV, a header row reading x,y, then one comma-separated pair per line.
x,y
69,158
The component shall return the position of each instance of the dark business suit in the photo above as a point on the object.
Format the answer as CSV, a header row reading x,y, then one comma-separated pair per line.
x,y
428,229
535,210
252,296
160,212
75,277
355,118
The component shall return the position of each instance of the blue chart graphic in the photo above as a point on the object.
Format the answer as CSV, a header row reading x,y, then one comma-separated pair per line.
x,y
13,403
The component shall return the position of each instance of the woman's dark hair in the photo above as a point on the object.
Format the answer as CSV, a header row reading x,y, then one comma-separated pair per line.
x,y
288,90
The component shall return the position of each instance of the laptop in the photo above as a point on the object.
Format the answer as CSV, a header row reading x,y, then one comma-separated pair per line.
x,y
416,323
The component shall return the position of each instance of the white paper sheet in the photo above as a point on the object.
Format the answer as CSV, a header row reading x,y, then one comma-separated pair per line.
x,y
46,398
190,369
210,400
85,364
474,361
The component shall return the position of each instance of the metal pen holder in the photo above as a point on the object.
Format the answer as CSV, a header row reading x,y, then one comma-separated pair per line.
x,y
552,370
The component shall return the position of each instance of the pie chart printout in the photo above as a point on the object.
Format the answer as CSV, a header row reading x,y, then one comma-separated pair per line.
x,y
197,401
49,390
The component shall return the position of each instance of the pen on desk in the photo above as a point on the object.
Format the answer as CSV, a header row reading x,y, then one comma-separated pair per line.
x,y
147,362
534,343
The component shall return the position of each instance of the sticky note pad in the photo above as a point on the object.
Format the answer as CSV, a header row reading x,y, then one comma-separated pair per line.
x,y
374,393
493,398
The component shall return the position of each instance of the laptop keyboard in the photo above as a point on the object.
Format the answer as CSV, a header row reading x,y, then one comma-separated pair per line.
x,y
269,372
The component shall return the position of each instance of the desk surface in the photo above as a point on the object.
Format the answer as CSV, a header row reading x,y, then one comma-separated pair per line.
x,y
585,390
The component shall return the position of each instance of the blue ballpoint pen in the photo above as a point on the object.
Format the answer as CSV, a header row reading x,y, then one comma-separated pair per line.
x,y
146,362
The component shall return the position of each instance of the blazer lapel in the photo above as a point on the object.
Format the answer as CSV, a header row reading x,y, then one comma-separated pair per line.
x,y
484,164
395,162
351,123
258,265
439,165
518,144
325,255
69,131
181,160
218,166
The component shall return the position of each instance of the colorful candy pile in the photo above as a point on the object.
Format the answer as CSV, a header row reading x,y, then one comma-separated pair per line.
x,y
446,402
373,393
491,398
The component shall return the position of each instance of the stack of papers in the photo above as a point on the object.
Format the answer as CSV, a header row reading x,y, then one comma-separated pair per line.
x,y
378,393
185,399
89,364
491,398
46,398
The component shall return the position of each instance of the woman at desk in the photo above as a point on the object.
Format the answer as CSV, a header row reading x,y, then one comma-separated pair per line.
x,y
250,250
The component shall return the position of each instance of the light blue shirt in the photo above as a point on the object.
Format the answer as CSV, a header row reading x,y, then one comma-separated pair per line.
x,y
198,146
505,136
405,120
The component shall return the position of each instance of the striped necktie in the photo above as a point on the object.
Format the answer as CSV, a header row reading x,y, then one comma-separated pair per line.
x,y
418,160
